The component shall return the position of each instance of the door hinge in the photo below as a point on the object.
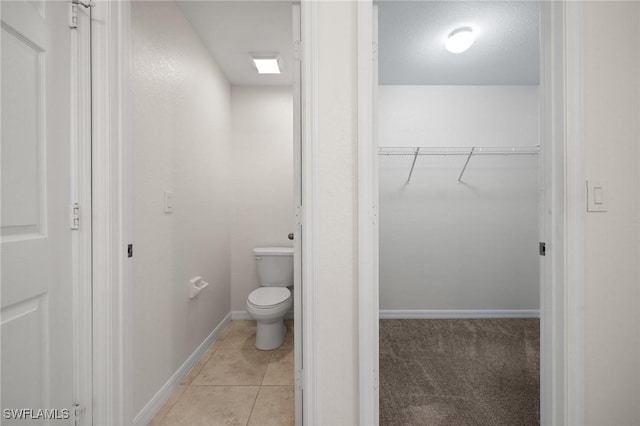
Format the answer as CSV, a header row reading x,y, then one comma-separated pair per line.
x,y
73,11
376,383
299,379
374,51
297,50
73,16
542,248
78,411
75,216
299,215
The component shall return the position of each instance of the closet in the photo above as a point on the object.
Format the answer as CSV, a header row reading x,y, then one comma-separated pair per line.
x,y
458,209
459,190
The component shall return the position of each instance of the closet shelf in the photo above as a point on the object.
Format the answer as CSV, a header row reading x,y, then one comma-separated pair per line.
x,y
460,150
466,151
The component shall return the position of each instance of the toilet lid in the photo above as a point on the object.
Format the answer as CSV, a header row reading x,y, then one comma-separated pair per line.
x,y
269,296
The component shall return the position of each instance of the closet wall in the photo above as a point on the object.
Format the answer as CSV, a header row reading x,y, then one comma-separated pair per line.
x,y
467,246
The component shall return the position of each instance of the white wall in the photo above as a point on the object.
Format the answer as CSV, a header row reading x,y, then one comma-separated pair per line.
x,y
262,183
611,110
444,245
458,115
181,142
336,222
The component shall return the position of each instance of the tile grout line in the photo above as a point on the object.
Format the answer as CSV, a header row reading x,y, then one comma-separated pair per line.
x,y
218,345
253,406
190,383
170,407
259,388
271,355
267,367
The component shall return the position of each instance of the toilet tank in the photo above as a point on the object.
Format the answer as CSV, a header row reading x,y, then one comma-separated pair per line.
x,y
275,266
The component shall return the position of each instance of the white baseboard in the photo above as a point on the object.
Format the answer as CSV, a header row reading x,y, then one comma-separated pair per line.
x,y
244,315
240,315
458,313
151,408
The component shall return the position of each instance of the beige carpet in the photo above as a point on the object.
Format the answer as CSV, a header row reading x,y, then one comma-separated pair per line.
x,y
459,372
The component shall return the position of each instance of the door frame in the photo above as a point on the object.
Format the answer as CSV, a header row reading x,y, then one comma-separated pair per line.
x,y
111,136
309,141
81,238
562,278
305,137
368,272
112,201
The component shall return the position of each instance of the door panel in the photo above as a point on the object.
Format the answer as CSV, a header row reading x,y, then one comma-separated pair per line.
x,y
36,293
22,122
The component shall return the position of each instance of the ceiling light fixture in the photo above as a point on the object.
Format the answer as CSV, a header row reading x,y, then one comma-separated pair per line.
x,y
267,64
460,40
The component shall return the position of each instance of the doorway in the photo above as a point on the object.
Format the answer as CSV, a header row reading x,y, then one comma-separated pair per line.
x,y
458,135
558,22
214,142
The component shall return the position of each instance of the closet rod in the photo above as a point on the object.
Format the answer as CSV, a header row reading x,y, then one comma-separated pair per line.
x,y
466,151
466,163
485,150
415,157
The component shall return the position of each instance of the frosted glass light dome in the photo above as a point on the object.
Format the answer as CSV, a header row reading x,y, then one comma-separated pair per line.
x,y
460,40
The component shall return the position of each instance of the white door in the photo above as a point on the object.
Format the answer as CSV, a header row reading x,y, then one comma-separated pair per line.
x,y
36,293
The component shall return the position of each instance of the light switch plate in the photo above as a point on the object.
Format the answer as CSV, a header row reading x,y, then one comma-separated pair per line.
x,y
597,196
168,202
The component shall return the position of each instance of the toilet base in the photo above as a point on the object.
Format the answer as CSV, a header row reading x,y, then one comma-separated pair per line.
x,y
270,335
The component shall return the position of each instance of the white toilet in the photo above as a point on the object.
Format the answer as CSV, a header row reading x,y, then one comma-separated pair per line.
x,y
269,303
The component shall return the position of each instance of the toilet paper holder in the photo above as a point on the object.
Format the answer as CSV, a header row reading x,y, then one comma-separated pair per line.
x,y
195,286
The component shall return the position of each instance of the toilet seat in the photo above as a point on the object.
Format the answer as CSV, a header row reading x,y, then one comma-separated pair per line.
x,y
267,308
269,297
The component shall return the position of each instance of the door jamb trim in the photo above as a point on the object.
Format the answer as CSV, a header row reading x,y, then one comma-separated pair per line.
x,y
112,314
80,186
562,343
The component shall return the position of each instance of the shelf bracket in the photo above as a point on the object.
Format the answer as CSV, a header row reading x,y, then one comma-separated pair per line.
x,y
415,157
466,163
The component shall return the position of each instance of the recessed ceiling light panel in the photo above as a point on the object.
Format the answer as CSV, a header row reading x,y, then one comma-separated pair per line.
x,y
267,64
460,40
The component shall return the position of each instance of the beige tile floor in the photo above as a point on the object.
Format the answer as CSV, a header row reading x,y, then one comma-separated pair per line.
x,y
235,384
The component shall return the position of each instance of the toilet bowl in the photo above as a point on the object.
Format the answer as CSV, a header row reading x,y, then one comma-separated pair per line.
x,y
269,303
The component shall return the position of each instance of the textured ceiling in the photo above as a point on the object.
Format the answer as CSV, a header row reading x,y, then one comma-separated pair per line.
x,y
233,29
411,40
412,35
